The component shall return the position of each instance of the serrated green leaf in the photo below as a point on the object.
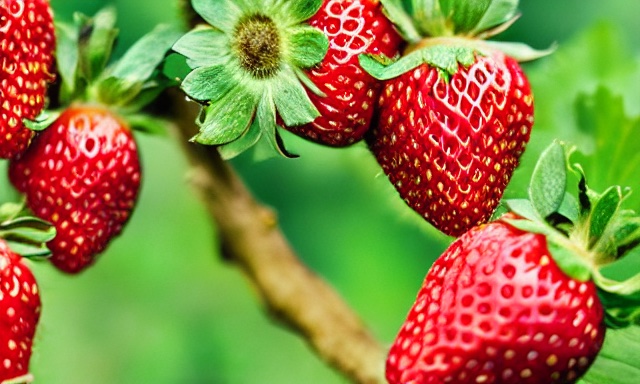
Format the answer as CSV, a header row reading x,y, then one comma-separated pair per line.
x,y
203,47
604,209
619,359
221,14
549,180
227,119
291,100
308,46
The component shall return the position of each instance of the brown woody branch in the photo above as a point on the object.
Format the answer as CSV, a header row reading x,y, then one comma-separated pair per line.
x,y
250,238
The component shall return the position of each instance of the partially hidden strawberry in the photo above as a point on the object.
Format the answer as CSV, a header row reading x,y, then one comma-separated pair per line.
x,y
455,115
349,93
83,175
82,171
27,45
522,299
495,308
259,65
20,308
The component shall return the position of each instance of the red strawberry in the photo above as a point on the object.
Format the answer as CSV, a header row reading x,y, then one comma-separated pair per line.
x,y
83,175
353,28
450,145
496,308
27,43
19,314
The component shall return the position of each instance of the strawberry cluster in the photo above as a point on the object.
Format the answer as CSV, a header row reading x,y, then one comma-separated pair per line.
x,y
448,114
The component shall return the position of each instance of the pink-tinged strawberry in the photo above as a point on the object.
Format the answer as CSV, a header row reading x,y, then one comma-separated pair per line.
x,y
349,93
27,43
455,115
20,308
83,175
522,299
82,171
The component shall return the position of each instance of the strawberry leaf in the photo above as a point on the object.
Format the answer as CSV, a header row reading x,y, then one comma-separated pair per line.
x,y
497,13
549,180
67,57
309,46
619,360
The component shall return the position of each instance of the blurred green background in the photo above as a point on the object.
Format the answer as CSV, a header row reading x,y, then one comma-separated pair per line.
x,y
161,307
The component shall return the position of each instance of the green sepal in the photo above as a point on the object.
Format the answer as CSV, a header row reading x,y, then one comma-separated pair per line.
x,y
267,122
228,118
126,78
444,57
291,100
27,236
299,10
308,46
569,208
568,259
42,121
603,210
221,14
142,122
395,12
67,57
498,13
519,51
209,84
549,180
621,300
202,47
96,41
523,208
248,139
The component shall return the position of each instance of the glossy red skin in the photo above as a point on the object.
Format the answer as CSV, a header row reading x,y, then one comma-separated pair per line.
x,y
496,308
27,46
450,148
82,174
20,309
353,27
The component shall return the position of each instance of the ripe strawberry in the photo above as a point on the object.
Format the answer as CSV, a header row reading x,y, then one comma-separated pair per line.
x,y
27,43
450,145
83,175
496,308
19,314
353,28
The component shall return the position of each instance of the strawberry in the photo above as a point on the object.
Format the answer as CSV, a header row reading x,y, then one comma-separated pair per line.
x,y
455,115
523,299
19,314
450,146
260,65
350,94
27,43
83,175
495,308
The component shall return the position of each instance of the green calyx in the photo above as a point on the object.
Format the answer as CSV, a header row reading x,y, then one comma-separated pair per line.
x,y
25,235
89,75
248,69
585,230
448,33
